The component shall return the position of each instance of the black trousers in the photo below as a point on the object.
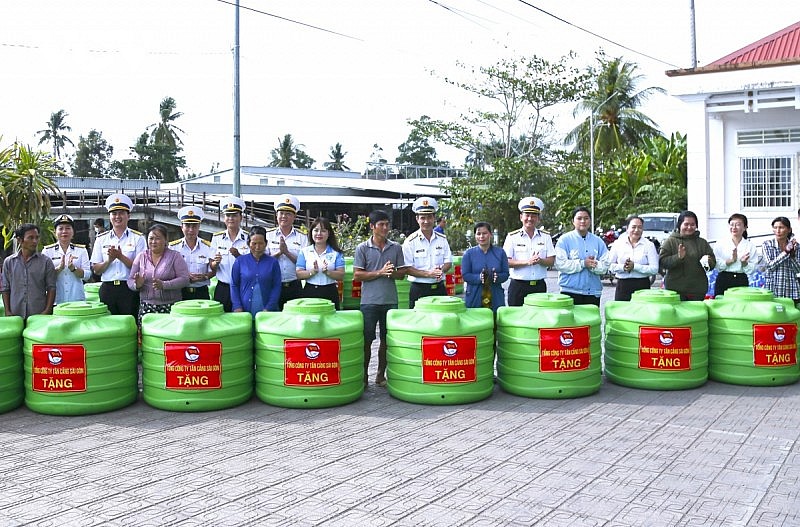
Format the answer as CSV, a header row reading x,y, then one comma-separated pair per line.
x,y
119,298
222,294
328,292
194,293
584,300
289,291
726,280
519,289
419,290
627,286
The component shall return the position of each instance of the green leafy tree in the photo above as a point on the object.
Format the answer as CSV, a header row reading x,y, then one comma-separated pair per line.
x,y
26,182
93,156
417,150
152,161
614,100
54,133
337,159
288,154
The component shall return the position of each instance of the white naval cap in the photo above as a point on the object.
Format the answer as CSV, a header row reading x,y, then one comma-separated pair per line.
x,y
531,204
232,205
424,205
287,202
119,202
191,214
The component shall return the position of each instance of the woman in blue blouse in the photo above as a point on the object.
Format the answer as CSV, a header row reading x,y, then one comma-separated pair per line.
x,y
256,277
484,257
320,263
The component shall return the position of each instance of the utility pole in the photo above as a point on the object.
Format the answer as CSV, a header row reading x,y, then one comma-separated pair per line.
x,y
237,164
693,34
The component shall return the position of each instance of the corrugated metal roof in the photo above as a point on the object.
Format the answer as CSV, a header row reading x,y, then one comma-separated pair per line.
x,y
780,46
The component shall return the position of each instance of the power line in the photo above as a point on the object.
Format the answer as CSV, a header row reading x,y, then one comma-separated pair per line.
x,y
292,21
459,12
601,37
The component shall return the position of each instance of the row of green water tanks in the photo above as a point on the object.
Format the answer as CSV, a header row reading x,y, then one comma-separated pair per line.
x,y
83,360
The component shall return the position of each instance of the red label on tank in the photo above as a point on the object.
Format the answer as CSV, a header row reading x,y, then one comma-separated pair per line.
x,y
356,291
450,284
193,365
665,348
58,368
449,359
312,362
564,349
340,290
457,276
774,345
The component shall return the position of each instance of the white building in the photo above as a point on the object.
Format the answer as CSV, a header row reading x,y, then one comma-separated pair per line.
x,y
743,135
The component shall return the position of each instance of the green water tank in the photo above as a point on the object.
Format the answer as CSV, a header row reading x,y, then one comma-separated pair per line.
x,y
549,348
403,289
12,388
81,360
440,352
351,289
752,338
656,342
212,286
92,291
309,355
197,358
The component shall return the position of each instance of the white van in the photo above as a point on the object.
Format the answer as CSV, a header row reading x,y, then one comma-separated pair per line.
x,y
658,226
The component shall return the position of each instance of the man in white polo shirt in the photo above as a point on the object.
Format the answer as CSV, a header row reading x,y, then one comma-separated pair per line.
x,y
196,253
226,246
530,252
284,242
426,253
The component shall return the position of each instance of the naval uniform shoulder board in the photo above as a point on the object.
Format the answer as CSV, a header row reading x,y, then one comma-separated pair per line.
x,y
206,242
79,245
220,233
414,236
439,234
544,231
272,229
134,231
514,232
51,245
176,242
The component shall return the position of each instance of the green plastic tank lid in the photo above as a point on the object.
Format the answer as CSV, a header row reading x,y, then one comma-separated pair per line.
x,y
440,304
656,296
198,307
309,306
551,300
80,309
749,294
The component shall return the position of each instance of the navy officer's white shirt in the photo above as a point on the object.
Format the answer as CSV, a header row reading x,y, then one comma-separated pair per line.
x,y
197,259
295,241
221,243
131,243
426,255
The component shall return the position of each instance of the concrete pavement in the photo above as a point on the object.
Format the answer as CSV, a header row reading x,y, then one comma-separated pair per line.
x,y
718,455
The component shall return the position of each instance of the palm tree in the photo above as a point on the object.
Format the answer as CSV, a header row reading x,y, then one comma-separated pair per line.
x,y
614,104
165,132
54,132
337,157
289,154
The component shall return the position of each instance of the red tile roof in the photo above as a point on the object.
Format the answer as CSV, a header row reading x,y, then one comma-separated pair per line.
x,y
780,46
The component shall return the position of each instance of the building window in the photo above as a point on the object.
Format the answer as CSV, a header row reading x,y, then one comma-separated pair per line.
x,y
216,179
263,181
280,182
766,182
765,137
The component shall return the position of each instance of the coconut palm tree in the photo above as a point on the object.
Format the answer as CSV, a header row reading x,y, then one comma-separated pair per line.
x,y
54,133
165,132
337,159
613,107
289,154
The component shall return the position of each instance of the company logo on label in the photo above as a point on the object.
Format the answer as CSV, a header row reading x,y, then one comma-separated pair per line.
x,y
567,338
192,354
312,350
666,338
779,334
54,356
450,348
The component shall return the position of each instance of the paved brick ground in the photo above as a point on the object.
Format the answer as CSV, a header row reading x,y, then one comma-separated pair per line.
x,y
719,455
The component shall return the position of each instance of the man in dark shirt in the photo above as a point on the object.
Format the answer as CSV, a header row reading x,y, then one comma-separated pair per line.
x,y
29,278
